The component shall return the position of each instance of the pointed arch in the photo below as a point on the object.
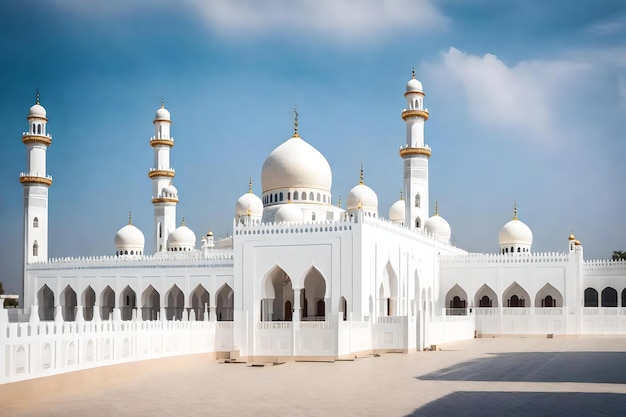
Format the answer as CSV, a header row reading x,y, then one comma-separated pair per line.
x,y
224,303
548,296
128,302
276,290
88,301
68,303
199,298
45,300
591,297
107,303
35,249
174,303
485,297
456,301
314,293
516,296
150,303
609,297
35,222
388,291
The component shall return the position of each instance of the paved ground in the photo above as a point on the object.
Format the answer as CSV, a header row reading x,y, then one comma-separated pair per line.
x,y
482,377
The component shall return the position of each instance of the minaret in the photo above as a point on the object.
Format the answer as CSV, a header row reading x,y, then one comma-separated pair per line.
x,y
164,194
36,183
415,155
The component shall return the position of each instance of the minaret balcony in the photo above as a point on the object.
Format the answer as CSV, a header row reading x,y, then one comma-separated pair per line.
x,y
35,178
154,141
407,151
408,114
28,137
167,172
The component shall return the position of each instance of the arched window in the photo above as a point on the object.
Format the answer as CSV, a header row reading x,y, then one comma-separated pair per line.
x,y
281,196
303,195
519,250
311,196
132,252
276,198
484,302
417,223
591,297
609,297
35,222
319,197
324,198
289,195
512,250
271,199
39,129
33,128
36,249
418,200
295,195
125,252
506,250
313,216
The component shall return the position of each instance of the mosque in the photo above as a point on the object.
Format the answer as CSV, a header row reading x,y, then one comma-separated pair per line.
x,y
299,278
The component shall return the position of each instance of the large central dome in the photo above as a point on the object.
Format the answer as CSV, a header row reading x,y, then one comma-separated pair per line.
x,y
296,164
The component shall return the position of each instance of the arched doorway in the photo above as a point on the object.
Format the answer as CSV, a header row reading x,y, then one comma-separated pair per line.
x,y
107,303
224,303
199,299
591,297
548,296
150,303
88,301
516,296
45,300
128,302
277,296
175,303
485,297
314,292
68,303
388,292
456,301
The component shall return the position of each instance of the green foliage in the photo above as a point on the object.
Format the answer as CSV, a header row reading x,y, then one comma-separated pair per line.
x,y
619,255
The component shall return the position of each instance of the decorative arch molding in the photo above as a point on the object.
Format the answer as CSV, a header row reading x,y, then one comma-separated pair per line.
x,y
88,301
313,294
591,297
267,283
313,273
127,302
174,303
69,302
276,292
515,296
224,299
548,296
200,298
107,303
150,303
609,297
491,299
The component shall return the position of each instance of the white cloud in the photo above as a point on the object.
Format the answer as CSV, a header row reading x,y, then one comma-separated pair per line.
x,y
524,96
337,20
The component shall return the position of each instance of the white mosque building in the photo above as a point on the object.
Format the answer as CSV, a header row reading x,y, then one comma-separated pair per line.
x,y
300,278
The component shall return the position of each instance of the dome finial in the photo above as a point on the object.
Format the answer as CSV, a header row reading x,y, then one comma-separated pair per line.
x,y
361,176
436,208
130,216
162,103
295,122
183,223
339,202
413,72
515,211
401,194
37,96
250,185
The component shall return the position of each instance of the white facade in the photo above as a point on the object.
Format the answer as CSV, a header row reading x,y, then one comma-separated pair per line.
x,y
300,278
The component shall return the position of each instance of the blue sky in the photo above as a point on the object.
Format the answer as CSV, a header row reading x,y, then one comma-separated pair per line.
x,y
527,103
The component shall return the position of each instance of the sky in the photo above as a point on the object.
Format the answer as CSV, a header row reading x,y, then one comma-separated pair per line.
x,y
527,104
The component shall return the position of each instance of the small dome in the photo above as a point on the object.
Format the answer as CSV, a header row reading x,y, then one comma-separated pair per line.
x,y
129,237
571,237
169,191
181,238
515,232
414,86
162,113
37,110
289,213
439,226
249,201
577,243
397,211
209,233
363,194
296,164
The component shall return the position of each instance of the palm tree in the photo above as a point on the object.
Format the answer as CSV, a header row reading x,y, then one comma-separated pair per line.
x,y
618,255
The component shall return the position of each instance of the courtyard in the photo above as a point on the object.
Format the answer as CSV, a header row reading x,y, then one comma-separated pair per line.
x,y
488,377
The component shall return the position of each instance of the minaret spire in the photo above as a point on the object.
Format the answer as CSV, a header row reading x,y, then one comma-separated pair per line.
x,y
436,208
515,211
37,96
130,216
361,176
250,185
295,122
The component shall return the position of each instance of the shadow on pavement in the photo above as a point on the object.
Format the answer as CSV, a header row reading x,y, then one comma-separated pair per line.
x,y
524,404
584,367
